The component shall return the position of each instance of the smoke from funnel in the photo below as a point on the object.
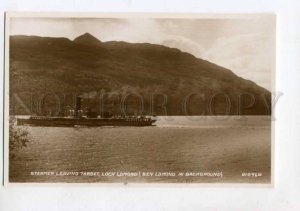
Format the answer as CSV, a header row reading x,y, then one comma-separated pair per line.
x,y
89,95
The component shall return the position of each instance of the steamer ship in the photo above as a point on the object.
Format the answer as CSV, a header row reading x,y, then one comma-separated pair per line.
x,y
91,119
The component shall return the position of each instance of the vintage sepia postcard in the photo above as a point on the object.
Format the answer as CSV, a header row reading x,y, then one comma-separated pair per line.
x,y
139,98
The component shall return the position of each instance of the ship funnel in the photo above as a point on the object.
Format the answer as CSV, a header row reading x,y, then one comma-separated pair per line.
x,y
77,112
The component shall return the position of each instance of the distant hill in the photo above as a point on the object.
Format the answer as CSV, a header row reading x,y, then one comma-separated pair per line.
x,y
87,39
160,75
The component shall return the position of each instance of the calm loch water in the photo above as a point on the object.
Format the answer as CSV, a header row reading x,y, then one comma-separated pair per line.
x,y
204,149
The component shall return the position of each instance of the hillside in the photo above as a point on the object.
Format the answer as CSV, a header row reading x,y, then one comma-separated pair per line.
x,y
58,65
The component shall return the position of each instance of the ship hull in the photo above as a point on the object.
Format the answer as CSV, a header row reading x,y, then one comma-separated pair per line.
x,y
92,122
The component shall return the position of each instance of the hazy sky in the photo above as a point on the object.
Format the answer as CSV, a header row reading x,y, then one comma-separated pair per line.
x,y
245,46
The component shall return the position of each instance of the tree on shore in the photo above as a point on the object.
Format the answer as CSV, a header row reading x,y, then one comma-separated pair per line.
x,y
18,138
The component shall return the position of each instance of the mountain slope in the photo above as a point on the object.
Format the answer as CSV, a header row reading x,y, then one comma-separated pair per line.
x,y
172,77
